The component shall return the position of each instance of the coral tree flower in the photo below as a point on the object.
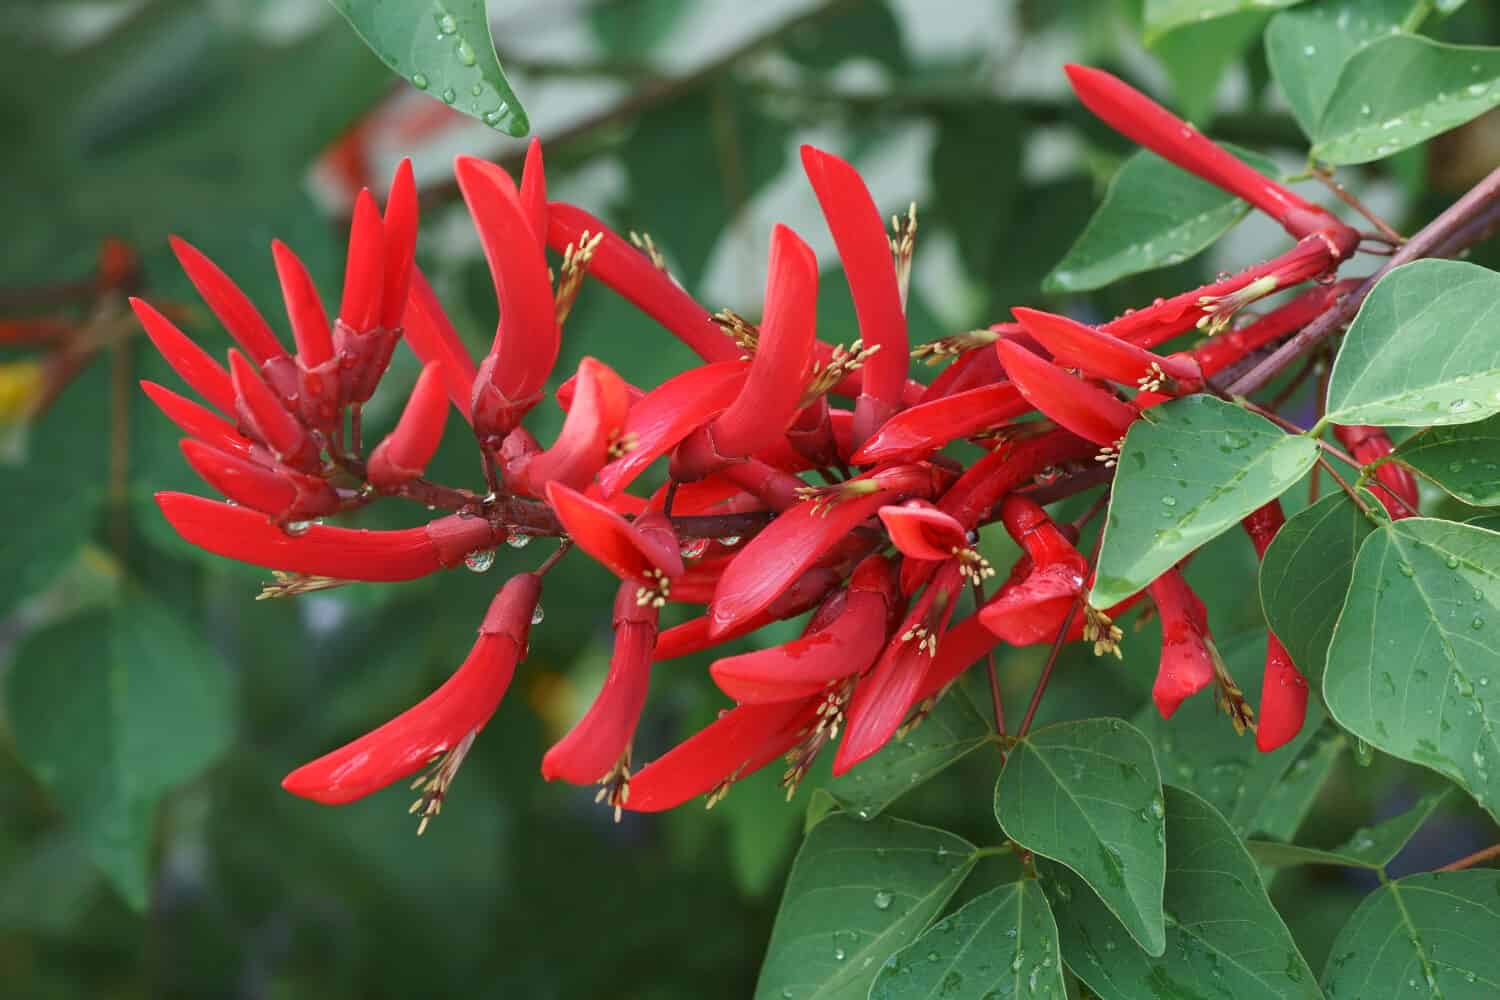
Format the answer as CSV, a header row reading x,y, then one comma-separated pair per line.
x,y
438,730
1189,661
1047,582
1395,487
1283,693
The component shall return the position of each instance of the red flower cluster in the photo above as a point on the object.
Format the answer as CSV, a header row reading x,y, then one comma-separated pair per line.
x,y
880,555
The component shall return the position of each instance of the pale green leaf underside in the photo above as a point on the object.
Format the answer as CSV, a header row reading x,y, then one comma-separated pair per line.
x,y
444,48
1428,935
1161,16
1464,460
1401,90
1307,47
1305,576
953,731
1424,349
857,894
1088,794
1224,938
1001,944
1414,666
1367,848
1190,470
1153,215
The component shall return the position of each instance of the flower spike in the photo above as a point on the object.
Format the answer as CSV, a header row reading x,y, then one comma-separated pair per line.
x,y
199,421
1189,661
592,428
917,432
283,494
644,551
405,452
267,417
1102,355
1034,603
441,727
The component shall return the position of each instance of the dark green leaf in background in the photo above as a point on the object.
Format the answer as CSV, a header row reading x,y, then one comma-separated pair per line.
x,y
1305,575
1463,460
1088,794
1162,16
1153,215
1308,46
442,47
1422,349
1199,54
951,732
1372,847
1401,90
976,169
1190,470
1224,938
1430,935
1414,666
1001,944
110,711
858,893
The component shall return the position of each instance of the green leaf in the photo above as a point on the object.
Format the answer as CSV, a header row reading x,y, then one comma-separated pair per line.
x,y
1161,16
1429,935
1001,944
713,149
1367,848
1305,575
858,893
953,731
1402,90
1422,349
1189,471
1197,55
632,29
1088,794
442,47
110,711
1285,806
1153,215
976,169
1414,667
1199,751
50,501
1464,461
868,30
1307,47
1224,938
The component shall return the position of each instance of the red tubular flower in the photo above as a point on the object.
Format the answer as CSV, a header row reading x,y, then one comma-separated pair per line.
x,y
441,727
768,403
776,557
644,551
340,553
630,274
1188,658
921,531
1396,489
1136,116
1009,466
319,376
694,635
230,305
972,368
597,748
1283,696
739,742
669,413
533,192
917,432
1031,608
431,337
882,698
400,228
526,342
582,447
843,637
1086,410
1219,352
191,362
199,421
776,489
282,494
405,452
859,234
364,267
267,418
1102,355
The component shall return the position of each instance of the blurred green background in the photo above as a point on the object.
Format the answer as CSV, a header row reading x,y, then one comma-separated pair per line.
x,y
151,706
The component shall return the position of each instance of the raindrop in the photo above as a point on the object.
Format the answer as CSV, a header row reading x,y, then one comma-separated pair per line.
x,y
297,527
465,53
1406,569
537,615
479,560
1309,50
518,541
838,954
1364,754
419,80
446,24
693,548
1169,501
1452,562
448,95
729,541
883,900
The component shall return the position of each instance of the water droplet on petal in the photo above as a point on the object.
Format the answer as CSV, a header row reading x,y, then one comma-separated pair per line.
x,y
479,560
518,541
538,614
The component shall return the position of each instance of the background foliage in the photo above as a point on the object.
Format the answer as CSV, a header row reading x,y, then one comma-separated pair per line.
x,y
151,707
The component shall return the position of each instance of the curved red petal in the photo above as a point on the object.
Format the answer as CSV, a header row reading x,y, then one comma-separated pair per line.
x,y
533,193
364,267
304,307
431,336
593,424
225,300
917,432
659,421
198,421
921,531
192,363
1100,354
613,541
1283,699
405,452
400,227
1086,410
